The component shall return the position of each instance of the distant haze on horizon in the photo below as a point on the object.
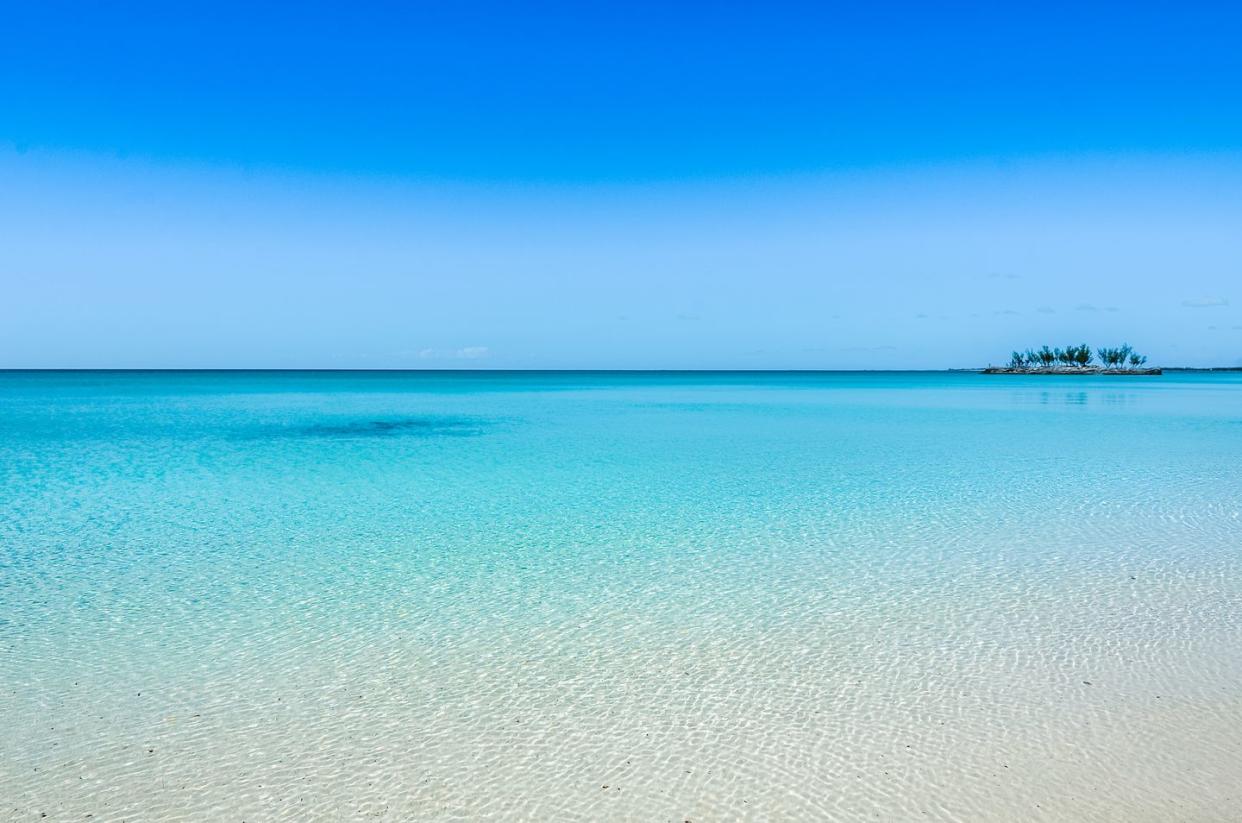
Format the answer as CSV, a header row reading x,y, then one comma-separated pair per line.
x,y
622,187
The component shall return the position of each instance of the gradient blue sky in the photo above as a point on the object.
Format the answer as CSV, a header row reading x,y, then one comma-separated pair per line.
x,y
626,186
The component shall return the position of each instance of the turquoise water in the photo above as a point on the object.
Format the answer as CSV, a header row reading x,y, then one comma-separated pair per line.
x,y
620,596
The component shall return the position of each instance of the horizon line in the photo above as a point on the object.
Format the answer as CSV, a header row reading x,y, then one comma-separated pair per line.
x,y
260,369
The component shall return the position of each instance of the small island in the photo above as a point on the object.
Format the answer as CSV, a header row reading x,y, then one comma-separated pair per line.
x,y
1076,360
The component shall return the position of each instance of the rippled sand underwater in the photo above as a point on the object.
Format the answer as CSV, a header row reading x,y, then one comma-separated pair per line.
x,y
292,596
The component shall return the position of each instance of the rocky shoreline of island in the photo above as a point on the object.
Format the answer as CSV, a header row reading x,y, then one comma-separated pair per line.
x,y
1070,370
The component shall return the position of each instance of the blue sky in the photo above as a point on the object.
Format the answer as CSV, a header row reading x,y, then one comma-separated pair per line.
x,y
632,185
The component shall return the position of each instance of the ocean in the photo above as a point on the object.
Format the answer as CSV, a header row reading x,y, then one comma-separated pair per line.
x,y
620,596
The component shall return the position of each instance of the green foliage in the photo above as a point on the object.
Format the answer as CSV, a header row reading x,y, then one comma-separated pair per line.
x,y
1080,356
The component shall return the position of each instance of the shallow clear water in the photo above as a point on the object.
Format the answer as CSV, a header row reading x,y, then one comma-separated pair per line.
x,y
620,596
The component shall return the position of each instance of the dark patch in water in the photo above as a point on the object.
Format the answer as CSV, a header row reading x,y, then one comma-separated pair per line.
x,y
416,426
389,427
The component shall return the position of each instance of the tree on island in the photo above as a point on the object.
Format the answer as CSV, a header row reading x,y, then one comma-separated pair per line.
x,y
1116,358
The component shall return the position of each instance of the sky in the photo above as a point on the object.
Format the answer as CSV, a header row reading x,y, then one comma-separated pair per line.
x,y
547,185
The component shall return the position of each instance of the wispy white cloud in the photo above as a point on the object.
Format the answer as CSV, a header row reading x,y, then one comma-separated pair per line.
x,y
1046,310
466,353
1205,302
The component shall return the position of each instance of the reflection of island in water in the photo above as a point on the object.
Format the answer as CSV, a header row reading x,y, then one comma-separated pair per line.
x,y
1076,360
1076,398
